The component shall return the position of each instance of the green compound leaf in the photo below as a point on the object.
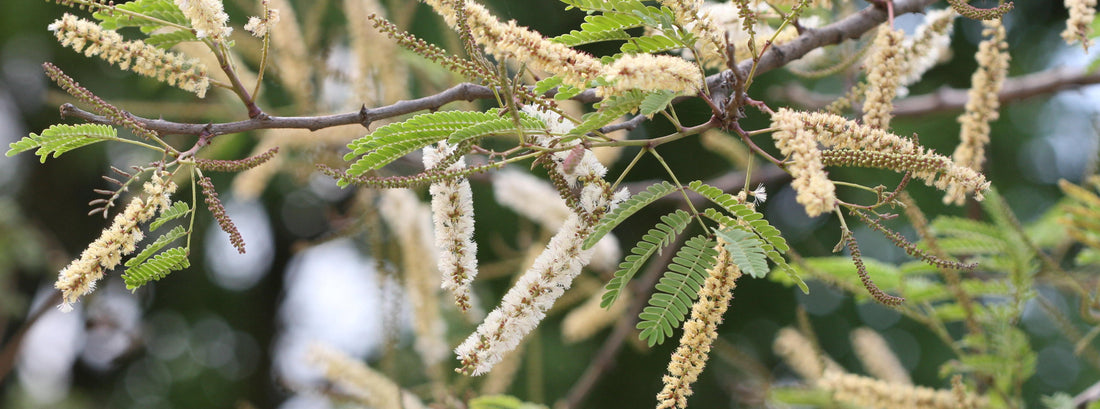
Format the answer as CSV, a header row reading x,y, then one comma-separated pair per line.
x,y
760,226
656,102
626,209
155,246
156,268
603,27
177,210
58,139
148,15
170,39
746,250
659,237
393,141
498,126
677,290
610,110
650,44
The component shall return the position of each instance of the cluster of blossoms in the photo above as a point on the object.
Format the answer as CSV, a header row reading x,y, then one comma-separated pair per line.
x,y
1079,24
88,37
364,384
982,104
692,15
259,26
873,393
116,241
411,224
651,72
700,331
453,214
643,72
553,271
798,134
928,47
207,17
883,78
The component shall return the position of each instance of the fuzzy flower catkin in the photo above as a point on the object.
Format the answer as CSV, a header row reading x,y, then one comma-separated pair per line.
x,y
872,393
834,131
116,241
816,193
1079,24
207,17
363,384
883,77
453,214
526,303
537,200
411,223
798,353
259,26
648,72
91,39
699,331
511,40
690,14
877,357
928,47
982,103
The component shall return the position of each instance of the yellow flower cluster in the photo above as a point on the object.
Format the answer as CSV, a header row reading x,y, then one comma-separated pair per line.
x,y
872,393
883,77
699,331
1079,24
105,253
982,103
91,39
816,192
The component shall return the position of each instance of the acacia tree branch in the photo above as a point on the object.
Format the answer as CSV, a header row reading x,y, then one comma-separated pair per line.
x,y
948,99
852,26
1014,89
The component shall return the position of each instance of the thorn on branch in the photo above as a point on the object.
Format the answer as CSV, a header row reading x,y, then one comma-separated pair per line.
x,y
364,116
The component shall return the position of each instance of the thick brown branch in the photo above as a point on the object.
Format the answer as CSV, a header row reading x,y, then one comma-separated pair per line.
x,y
850,27
951,99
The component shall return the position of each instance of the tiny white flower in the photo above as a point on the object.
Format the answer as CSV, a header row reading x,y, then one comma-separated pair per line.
x,y
759,194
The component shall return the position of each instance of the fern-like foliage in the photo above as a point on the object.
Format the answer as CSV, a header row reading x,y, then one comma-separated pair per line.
x,y
177,210
58,139
650,44
393,141
659,237
626,209
601,27
729,203
655,102
498,126
609,110
156,245
156,268
746,250
149,16
676,291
